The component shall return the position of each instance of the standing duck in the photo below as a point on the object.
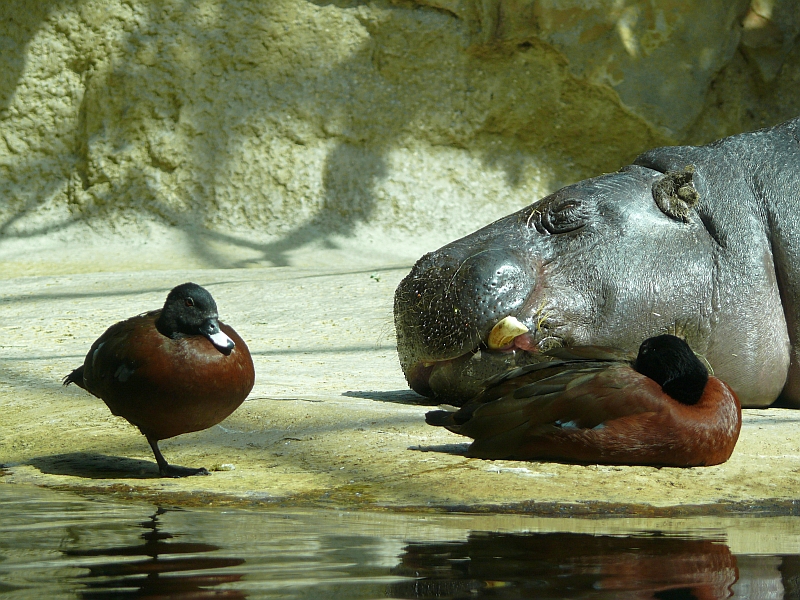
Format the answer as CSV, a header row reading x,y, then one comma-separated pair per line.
x,y
596,405
170,371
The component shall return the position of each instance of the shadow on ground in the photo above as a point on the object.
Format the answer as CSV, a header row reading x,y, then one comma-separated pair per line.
x,y
90,465
393,396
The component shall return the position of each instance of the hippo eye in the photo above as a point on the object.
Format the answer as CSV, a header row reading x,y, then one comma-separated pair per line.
x,y
558,215
189,302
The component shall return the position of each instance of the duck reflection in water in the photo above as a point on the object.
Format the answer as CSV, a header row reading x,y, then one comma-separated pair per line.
x,y
568,565
153,577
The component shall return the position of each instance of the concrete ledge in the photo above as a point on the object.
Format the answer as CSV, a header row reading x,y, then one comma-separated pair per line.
x,y
330,421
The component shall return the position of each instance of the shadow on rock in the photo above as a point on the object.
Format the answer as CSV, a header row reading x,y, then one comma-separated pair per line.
x,y
393,396
95,466
454,449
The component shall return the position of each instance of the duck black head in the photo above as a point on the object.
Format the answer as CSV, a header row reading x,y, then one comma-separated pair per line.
x,y
670,362
190,310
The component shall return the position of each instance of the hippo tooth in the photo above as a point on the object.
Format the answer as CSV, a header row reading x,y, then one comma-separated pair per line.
x,y
504,332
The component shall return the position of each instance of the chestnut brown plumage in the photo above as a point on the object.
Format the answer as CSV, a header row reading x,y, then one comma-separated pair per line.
x,y
597,405
170,371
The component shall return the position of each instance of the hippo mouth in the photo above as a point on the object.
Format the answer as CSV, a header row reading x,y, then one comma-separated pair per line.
x,y
467,312
509,344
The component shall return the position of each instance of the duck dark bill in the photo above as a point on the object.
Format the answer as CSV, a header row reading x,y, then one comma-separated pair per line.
x,y
158,371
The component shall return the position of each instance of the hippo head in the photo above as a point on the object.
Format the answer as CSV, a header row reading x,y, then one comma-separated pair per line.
x,y
607,261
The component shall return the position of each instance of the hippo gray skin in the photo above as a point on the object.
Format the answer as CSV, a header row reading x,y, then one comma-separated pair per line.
x,y
703,242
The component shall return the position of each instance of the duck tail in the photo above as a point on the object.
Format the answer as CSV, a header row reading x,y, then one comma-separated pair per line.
x,y
439,418
75,377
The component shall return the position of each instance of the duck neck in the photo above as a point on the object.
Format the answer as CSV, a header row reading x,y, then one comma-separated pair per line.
x,y
167,326
686,389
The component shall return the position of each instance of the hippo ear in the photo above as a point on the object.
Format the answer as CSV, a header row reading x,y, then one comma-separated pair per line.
x,y
675,193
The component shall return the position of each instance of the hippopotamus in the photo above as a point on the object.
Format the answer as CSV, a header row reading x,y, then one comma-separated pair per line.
x,y
698,241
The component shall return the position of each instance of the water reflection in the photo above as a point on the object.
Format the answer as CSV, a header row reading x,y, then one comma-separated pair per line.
x,y
152,577
57,545
568,565
789,567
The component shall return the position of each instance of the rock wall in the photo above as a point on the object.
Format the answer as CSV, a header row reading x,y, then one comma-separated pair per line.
x,y
295,117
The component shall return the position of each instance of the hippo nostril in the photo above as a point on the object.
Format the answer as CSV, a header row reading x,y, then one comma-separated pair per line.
x,y
495,284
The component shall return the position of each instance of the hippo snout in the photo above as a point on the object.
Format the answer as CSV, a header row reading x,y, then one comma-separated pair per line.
x,y
446,307
499,284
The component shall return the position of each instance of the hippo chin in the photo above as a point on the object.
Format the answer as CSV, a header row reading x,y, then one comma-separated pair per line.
x,y
702,242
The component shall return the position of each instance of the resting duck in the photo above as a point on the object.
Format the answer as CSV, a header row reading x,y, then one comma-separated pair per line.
x,y
595,405
170,371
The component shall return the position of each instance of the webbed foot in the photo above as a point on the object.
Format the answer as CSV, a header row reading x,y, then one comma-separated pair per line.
x,y
174,471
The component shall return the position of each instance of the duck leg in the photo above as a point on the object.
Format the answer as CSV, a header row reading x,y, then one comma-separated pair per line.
x,y
168,470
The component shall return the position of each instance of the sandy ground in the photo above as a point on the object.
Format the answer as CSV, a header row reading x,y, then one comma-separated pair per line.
x,y
330,421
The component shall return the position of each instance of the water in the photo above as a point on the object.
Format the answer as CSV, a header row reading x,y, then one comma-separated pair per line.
x,y
59,545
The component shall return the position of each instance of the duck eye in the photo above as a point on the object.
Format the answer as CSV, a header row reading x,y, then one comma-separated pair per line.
x,y
189,302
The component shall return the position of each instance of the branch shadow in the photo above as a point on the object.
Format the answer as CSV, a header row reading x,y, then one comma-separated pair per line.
x,y
355,111
13,57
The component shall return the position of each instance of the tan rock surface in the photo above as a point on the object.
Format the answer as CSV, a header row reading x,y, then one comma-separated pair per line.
x,y
297,116
660,57
330,420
